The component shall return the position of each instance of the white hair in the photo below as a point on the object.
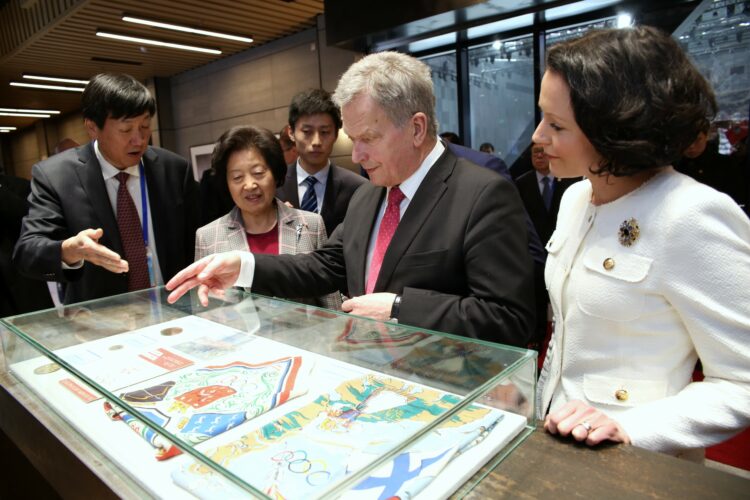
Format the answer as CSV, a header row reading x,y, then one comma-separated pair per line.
x,y
399,83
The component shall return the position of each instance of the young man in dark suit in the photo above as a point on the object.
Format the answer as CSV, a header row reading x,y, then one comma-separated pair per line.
x,y
314,123
531,186
115,214
541,193
433,241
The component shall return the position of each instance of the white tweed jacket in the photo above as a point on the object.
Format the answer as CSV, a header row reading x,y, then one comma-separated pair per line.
x,y
637,318
299,232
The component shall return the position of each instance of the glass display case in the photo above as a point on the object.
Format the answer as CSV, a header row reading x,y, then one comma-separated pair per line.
x,y
253,396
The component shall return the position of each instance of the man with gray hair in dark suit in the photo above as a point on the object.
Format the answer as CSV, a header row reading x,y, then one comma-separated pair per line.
x,y
433,241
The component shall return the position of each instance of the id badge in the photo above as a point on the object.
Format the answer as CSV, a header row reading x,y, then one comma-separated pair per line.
x,y
150,265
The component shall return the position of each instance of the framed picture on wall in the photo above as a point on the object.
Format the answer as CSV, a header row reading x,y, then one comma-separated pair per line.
x,y
200,159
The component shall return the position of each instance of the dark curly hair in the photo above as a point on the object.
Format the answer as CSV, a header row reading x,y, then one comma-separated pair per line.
x,y
635,95
242,138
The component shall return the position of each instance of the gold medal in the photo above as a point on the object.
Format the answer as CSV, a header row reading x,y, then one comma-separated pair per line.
x,y
172,330
45,369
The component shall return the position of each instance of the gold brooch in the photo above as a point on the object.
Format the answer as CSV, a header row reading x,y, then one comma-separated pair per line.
x,y
629,232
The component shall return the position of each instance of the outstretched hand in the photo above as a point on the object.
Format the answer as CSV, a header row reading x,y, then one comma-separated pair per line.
x,y
585,423
85,246
212,274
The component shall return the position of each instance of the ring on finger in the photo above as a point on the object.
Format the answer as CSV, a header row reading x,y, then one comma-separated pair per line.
x,y
586,425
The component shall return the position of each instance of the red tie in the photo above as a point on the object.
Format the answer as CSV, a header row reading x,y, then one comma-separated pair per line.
x,y
387,227
131,234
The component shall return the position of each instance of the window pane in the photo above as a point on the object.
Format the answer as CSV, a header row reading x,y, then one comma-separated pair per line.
x,y
501,92
578,30
717,37
443,68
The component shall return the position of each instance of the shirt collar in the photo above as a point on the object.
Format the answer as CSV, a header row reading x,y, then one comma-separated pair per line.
x,y
321,175
109,170
409,186
539,177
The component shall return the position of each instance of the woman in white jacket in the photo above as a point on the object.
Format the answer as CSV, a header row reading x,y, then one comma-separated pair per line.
x,y
648,270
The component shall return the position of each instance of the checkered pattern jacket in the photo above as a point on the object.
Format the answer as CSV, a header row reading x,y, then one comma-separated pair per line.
x,y
299,232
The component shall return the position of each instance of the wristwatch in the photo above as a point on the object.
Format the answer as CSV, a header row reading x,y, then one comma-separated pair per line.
x,y
395,308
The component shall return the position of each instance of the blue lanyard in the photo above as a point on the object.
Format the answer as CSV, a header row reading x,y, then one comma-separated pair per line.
x,y
144,202
144,224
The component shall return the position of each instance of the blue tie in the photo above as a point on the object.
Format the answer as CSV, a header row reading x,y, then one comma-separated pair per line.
x,y
309,200
546,193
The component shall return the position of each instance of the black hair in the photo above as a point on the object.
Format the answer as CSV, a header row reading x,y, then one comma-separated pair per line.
x,y
111,95
452,137
313,102
242,138
286,141
635,95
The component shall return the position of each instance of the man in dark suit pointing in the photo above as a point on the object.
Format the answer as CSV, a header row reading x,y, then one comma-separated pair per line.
x,y
434,241
116,214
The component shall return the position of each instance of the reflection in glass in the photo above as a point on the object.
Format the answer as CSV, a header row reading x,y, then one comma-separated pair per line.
x,y
444,77
717,37
501,92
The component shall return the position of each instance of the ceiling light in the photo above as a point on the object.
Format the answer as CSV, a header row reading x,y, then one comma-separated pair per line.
x,y
624,20
26,115
48,87
13,110
149,41
3,131
7,129
55,79
186,29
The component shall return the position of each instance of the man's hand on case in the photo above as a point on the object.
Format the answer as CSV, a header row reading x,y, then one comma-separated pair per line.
x,y
374,305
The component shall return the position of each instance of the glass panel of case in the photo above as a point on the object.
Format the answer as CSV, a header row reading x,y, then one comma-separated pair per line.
x,y
273,398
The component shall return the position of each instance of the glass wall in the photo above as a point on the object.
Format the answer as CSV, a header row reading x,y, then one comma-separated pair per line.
x,y
717,37
444,78
501,93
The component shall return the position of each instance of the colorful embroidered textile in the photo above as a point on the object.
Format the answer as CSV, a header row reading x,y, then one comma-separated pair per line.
x,y
203,403
305,452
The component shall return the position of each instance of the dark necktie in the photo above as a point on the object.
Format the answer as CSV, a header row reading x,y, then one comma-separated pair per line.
x,y
547,193
309,200
131,234
388,226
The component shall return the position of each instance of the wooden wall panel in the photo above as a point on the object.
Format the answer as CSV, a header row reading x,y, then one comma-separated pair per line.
x,y
71,126
24,152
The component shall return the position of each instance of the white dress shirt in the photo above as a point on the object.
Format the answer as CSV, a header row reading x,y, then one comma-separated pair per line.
x,y
320,186
109,172
408,187
540,181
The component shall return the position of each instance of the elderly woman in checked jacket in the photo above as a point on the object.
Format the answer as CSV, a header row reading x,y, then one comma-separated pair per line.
x,y
251,161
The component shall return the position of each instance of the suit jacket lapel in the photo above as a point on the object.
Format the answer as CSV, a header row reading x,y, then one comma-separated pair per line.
x,y
287,222
235,231
358,227
428,194
329,197
290,185
158,196
90,174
